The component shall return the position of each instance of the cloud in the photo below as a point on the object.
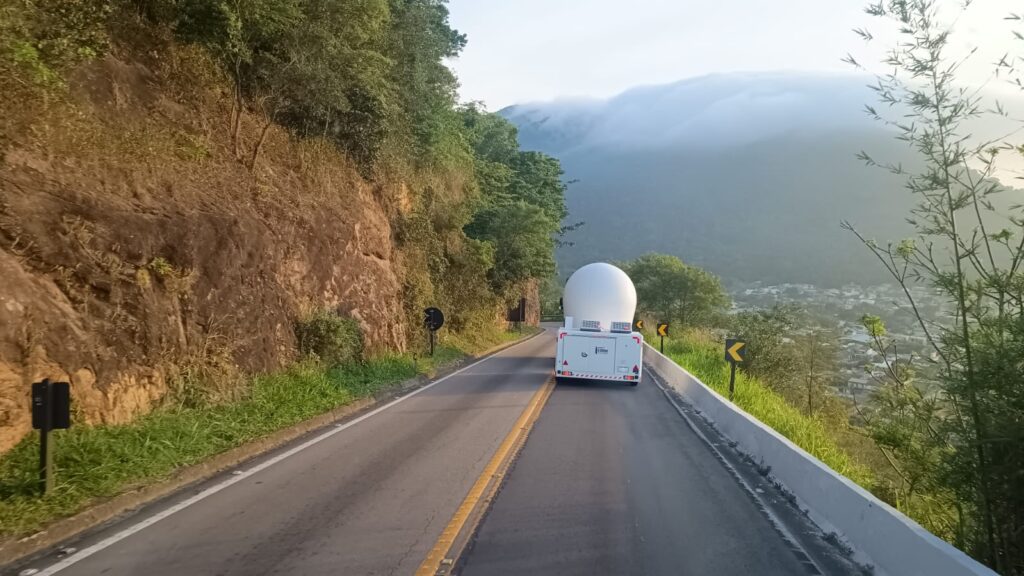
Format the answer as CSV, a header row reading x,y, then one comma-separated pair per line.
x,y
717,110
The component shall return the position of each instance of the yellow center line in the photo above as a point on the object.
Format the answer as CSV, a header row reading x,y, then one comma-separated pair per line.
x,y
433,562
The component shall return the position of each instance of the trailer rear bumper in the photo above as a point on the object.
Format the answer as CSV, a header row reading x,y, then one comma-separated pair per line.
x,y
585,376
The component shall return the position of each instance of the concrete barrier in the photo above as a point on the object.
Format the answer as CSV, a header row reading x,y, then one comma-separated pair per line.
x,y
879,534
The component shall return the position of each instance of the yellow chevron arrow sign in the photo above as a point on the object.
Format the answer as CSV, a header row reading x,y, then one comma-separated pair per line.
x,y
735,350
662,328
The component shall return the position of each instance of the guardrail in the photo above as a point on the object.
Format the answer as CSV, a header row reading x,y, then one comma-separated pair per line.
x,y
893,543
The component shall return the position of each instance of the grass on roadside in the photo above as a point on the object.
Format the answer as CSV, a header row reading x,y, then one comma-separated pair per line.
x,y
102,461
704,359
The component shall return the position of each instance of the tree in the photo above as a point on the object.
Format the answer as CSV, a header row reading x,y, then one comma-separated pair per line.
x,y
551,296
818,373
331,77
521,236
673,291
905,422
522,199
240,34
977,266
367,74
419,42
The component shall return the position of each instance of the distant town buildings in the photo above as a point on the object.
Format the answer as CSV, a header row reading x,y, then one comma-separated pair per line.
x,y
839,310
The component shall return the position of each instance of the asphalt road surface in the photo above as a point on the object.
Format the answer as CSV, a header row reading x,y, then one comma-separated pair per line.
x,y
611,481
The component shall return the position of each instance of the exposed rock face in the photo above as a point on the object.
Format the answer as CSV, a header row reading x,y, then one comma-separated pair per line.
x,y
132,239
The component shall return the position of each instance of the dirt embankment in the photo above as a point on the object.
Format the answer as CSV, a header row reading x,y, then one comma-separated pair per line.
x,y
134,244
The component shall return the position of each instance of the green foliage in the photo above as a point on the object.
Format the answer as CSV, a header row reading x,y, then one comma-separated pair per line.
x,y
874,325
418,44
329,337
669,290
367,74
961,443
521,234
522,200
161,267
445,268
905,424
42,39
768,355
550,297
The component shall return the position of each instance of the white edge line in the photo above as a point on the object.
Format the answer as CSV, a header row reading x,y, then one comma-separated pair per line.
x,y
111,540
776,522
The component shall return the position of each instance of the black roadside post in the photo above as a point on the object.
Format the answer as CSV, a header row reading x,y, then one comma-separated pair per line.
x,y
517,315
732,379
522,314
735,352
662,332
433,319
51,410
45,455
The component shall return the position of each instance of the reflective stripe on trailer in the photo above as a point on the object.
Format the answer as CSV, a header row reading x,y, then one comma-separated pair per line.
x,y
569,374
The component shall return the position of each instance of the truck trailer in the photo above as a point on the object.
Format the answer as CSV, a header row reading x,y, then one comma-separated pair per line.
x,y
597,341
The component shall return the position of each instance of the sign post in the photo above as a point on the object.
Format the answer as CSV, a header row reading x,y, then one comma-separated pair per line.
x,y
735,353
433,319
517,315
662,331
51,410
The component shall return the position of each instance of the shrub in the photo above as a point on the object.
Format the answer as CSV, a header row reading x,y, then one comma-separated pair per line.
x,y
330,338
205,374
161,267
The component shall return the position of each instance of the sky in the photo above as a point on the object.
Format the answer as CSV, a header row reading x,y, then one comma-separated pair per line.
x,y
537,50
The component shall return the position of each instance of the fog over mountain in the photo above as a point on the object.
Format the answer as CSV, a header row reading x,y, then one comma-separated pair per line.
x,y
748,175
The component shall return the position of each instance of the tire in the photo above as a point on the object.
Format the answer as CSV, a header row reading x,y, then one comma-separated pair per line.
x,y
633,382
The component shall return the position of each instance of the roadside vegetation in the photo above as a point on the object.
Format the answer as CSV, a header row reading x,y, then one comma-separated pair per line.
x,y
957,445
475,218
98,462
701,354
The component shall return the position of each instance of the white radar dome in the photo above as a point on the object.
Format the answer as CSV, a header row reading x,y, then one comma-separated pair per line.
x,y
599,292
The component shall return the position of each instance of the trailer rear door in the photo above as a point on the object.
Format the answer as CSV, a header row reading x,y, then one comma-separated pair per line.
x,y
589,354
602,359
575,353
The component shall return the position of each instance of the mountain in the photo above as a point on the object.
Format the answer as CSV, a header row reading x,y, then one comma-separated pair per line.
x,y
746,174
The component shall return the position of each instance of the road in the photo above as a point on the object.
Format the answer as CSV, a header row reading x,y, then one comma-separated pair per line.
x,y
610,481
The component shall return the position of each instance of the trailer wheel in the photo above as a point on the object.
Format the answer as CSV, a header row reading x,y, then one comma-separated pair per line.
x,y
633,382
